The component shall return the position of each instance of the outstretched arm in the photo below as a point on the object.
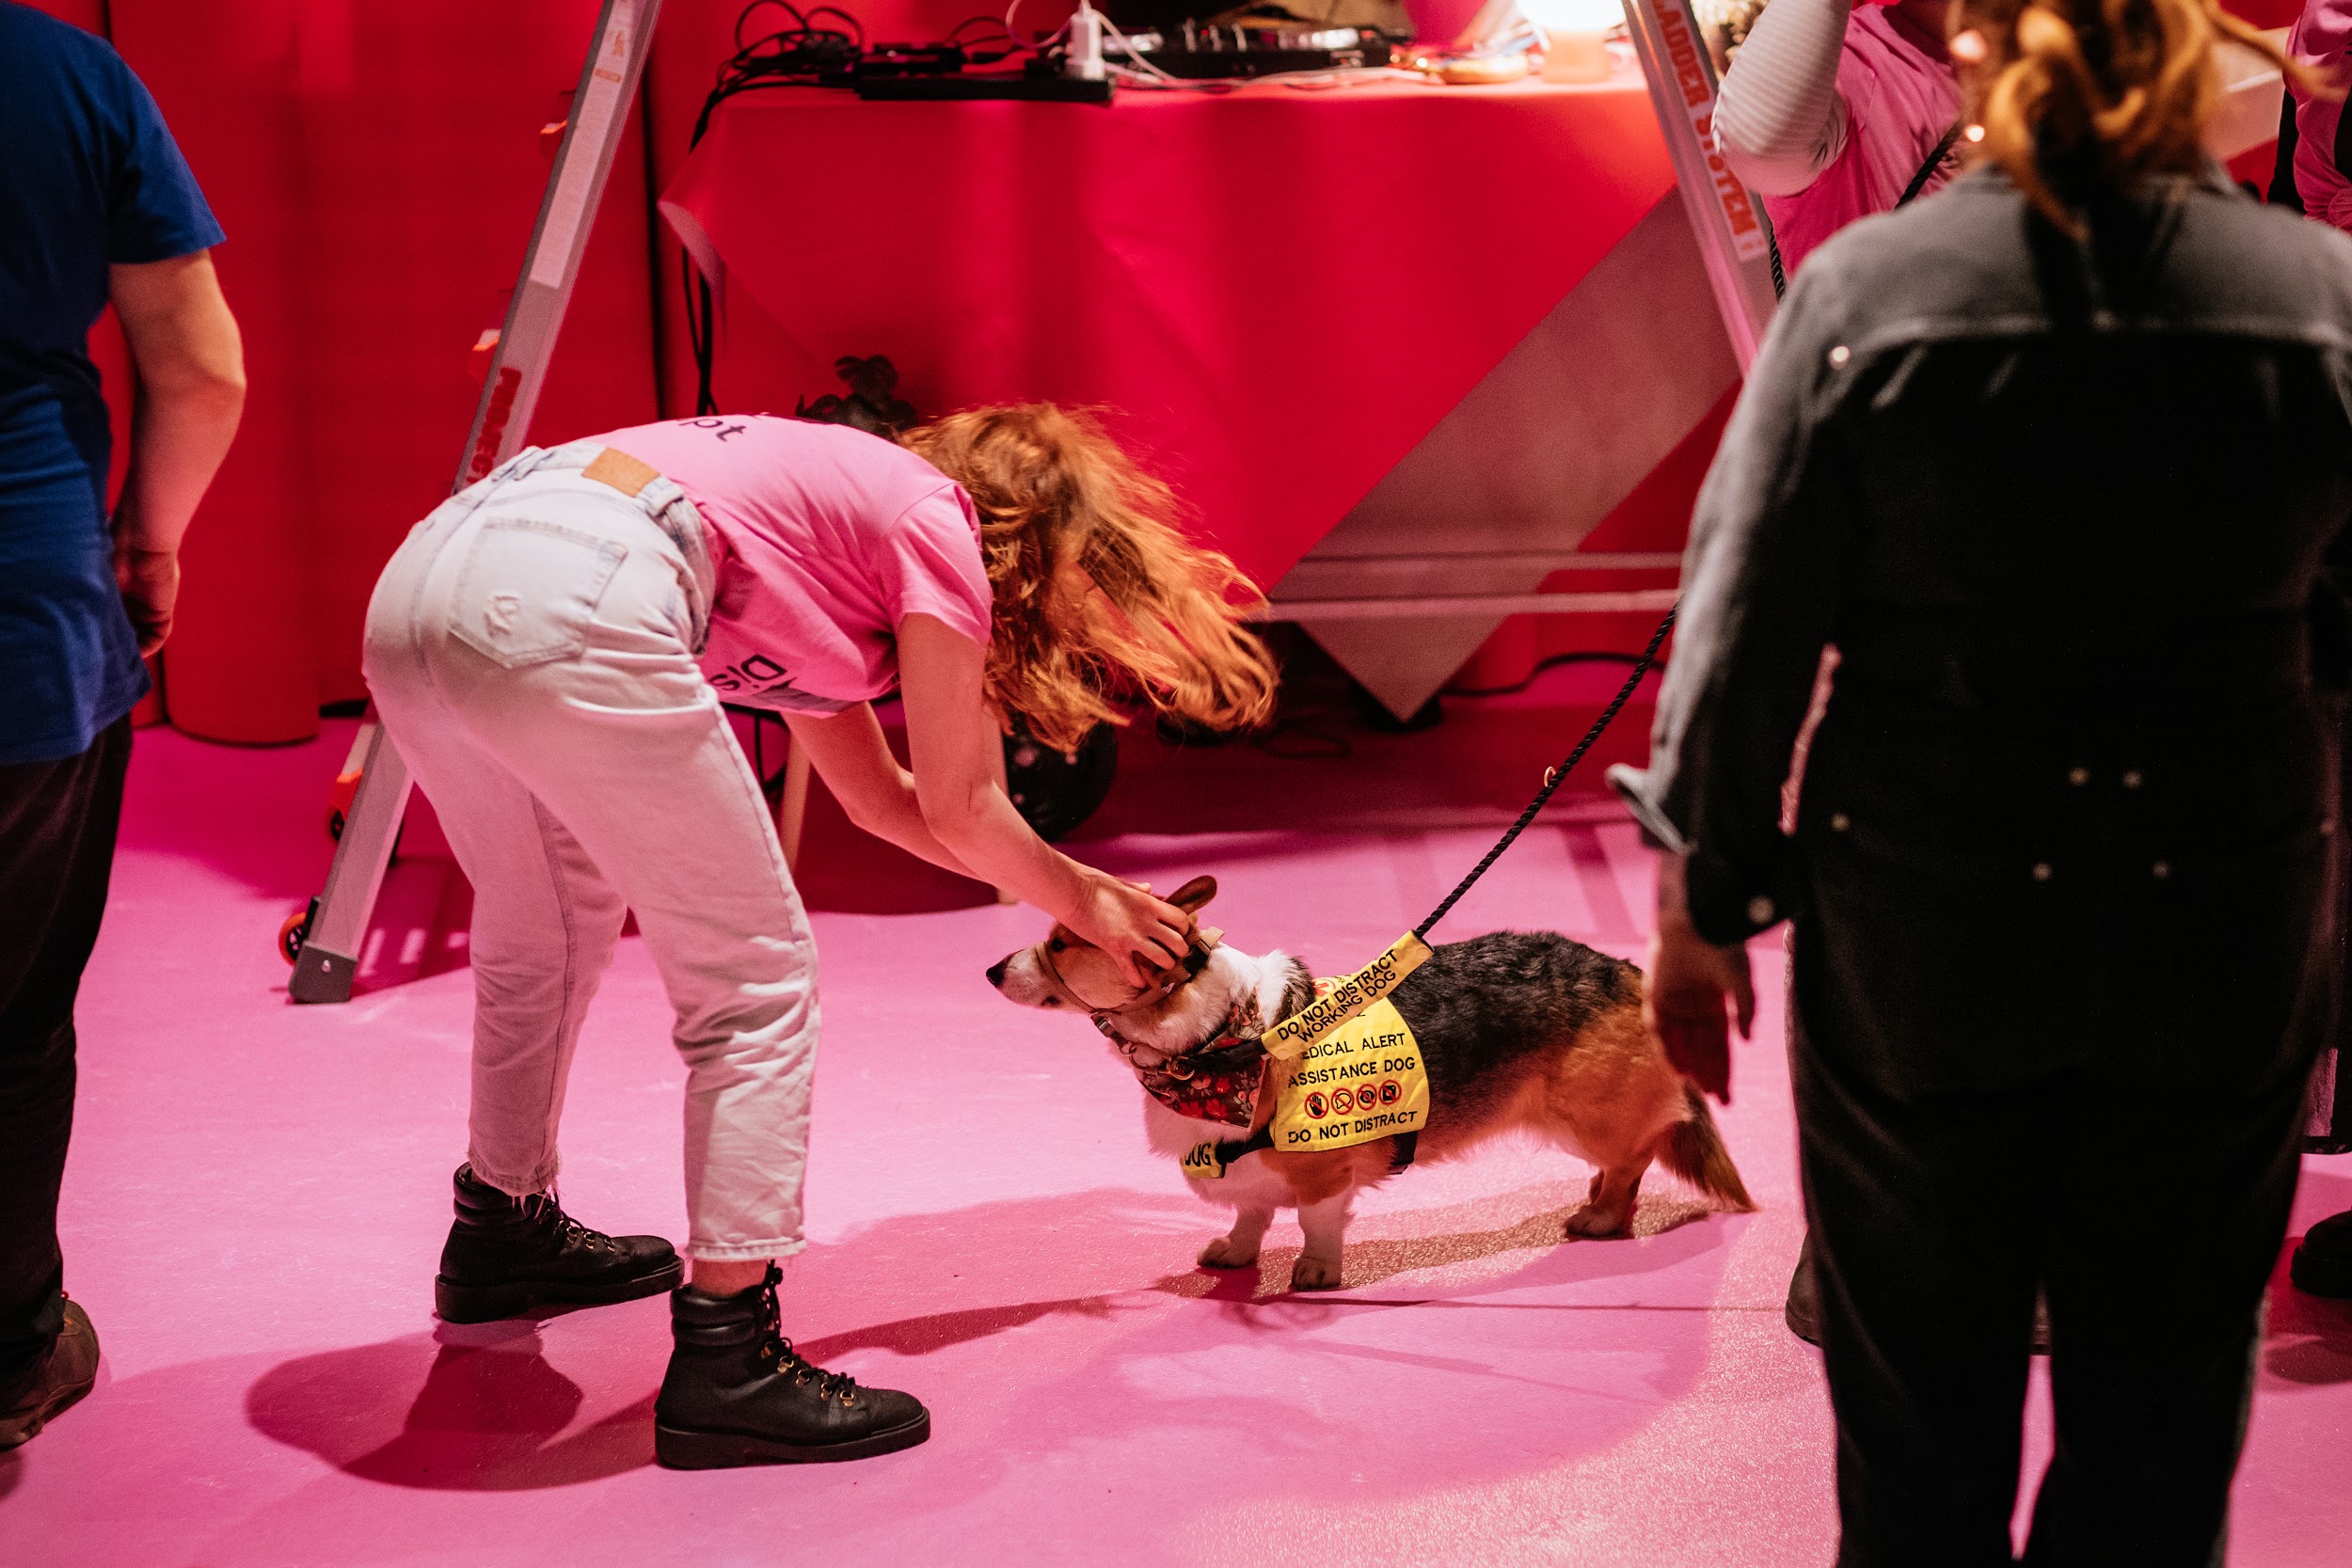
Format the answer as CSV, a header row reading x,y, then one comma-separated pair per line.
x,y
951,812
851,754
1781,120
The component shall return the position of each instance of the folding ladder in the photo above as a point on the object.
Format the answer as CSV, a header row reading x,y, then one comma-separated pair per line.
x,y
325,942
1735,237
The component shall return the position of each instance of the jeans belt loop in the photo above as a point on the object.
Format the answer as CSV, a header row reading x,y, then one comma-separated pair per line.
x,y
476,494
525,461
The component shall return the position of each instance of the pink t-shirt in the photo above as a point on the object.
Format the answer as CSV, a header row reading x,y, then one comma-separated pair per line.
x,y
2322,34
1899,101
824,537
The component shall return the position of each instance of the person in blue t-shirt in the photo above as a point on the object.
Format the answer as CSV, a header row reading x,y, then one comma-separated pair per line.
x,y
96,206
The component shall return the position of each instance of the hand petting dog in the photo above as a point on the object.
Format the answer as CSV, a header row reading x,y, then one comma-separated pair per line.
x,y
1140,933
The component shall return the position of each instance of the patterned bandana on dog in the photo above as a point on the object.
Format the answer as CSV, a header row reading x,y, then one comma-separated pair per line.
x,y
1216,1081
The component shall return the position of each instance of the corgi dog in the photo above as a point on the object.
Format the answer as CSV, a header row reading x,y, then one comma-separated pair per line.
x,y
1517,1032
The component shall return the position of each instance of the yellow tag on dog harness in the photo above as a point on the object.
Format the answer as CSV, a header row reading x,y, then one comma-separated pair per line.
x,y
1204,1164
1361,1080
1344,999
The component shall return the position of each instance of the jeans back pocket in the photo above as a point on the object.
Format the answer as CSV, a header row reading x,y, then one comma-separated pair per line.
x,y
529,589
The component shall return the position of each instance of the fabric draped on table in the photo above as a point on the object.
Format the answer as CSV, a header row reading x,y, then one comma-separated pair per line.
x,y
1274,294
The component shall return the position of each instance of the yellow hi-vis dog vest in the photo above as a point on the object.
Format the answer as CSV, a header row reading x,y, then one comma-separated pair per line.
x,y
1361,1080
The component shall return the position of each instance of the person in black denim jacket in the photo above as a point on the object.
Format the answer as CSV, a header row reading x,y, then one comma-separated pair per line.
x,y
2060,462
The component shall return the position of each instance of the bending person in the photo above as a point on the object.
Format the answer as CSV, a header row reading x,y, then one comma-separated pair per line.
x,y
1832,110
549,649
2059,460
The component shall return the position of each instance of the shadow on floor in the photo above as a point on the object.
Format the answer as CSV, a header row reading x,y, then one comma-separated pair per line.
x,y
1374,1261
481,1408
490,1414
420,925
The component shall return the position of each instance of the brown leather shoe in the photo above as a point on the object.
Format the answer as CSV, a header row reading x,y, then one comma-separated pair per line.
x,y
2322,1265
53,1382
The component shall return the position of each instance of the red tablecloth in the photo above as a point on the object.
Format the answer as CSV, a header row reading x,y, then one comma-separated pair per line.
x,y
1276,293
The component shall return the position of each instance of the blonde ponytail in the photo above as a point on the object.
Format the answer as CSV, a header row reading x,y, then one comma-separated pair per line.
x,y
2074,96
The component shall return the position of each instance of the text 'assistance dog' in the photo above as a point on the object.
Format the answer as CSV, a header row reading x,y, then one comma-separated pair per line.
x,y
1513,1031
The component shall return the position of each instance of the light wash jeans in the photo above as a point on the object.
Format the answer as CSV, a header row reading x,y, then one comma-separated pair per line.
x,y
531,648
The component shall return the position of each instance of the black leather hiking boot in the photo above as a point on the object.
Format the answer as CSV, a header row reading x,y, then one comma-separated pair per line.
x,y
507,1255
2322,1264
737,1393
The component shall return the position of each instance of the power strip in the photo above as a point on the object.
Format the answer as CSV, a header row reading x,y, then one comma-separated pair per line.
x,y
1034,90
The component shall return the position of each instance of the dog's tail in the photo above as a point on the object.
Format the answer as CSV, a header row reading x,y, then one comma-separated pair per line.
x,y
1695,1150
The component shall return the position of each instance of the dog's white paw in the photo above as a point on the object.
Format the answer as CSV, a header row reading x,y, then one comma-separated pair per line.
x,y
1315,1274
1593,1221
1227,1253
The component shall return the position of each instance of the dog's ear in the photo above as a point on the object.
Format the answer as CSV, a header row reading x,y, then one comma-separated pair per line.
x,y
1194,896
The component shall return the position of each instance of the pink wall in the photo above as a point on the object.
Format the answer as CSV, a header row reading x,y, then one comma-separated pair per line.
x,y
377,169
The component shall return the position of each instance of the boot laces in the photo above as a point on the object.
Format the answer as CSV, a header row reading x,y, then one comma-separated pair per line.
x,y
839,1386
546,1210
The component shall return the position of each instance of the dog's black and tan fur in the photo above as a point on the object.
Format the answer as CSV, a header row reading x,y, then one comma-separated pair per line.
x,y
1519,1032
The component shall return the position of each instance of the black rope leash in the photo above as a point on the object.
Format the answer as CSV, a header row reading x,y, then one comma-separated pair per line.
x,y
1555,777
1405,1145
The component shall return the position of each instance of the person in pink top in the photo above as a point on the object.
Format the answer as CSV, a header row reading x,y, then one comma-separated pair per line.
x,y
1833,110
549,651
2314,145
2322,38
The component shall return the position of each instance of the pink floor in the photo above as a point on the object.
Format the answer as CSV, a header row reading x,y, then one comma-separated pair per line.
x,y
258,1194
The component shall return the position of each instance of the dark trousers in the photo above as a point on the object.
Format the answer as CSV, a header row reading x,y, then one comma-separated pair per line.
x,y
2057,991
2147,1205
2153,1229
57,823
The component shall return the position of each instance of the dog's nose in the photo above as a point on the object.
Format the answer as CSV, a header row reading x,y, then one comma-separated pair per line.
x,y
997,972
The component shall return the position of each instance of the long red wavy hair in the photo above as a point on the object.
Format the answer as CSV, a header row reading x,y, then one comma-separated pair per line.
x,y
1099,594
